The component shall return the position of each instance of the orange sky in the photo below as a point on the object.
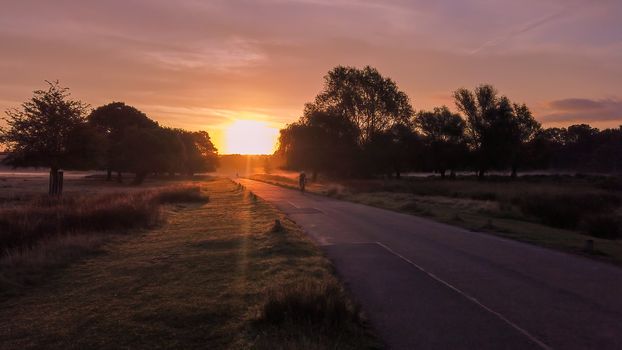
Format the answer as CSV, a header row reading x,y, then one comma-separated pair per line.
x,y
204,64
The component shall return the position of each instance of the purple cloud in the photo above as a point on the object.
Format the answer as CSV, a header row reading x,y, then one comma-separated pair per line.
x,y
583,109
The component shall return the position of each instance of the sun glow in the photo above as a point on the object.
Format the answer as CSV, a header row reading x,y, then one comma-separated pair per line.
x,y
250,137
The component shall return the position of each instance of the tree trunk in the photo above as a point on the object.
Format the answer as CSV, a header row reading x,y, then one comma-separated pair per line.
x,y
119,177
398,174
139,178
55,186
480,174
442,172
452,174
53,183
514,171
109,175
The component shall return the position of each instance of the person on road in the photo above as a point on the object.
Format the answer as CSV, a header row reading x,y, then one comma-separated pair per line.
x,y
302,181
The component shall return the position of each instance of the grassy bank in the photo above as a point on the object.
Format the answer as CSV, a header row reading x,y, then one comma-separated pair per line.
x,y
559,212
43,234
217,275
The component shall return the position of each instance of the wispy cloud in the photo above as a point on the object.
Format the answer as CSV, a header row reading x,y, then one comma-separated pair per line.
x,y
221,56
527,27
584,110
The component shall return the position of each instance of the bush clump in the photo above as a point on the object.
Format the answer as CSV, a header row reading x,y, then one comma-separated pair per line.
x,y
566,210
310,304
186,194
25,225
602,226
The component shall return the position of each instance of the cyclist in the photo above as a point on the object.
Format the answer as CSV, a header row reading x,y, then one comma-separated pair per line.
x,y
302,181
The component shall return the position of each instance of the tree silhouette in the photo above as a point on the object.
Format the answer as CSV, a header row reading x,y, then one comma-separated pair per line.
x,y
393,150
40,132
444,137
200,155
320,142
497,130
363,96
112,121
524,128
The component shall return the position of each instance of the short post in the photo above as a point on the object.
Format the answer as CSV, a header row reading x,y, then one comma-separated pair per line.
x,y
60,182
56,182
53,190
278,227
589,246
51,183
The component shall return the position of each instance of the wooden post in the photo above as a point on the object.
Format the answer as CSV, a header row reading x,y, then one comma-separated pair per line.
x,y
51,182
53,190
60,182
589,246
56,182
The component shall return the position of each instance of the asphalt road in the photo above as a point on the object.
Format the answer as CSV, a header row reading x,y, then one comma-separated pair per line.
x,y
427,285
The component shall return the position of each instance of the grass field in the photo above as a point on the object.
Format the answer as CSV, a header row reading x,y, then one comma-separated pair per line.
x,y
511,209
217,275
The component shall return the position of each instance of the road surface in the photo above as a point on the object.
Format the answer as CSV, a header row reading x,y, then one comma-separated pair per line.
x,y
427,285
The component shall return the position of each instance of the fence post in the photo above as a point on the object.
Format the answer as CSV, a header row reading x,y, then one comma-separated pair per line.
x,y
56,182
60,182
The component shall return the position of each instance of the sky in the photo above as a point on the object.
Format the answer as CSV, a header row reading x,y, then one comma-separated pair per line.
x,y
203,65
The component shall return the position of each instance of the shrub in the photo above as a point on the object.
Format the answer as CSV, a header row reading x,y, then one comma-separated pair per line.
x,y
322,304
22,226
188,194
566,210
602,226
484,196
332,191
411,206
611,183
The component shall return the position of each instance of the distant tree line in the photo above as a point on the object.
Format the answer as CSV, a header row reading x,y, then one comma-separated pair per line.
x,y
361,125
52,130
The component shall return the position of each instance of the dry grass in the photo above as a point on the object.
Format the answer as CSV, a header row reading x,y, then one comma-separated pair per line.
x,y
22,226
203,280
292,316
45,233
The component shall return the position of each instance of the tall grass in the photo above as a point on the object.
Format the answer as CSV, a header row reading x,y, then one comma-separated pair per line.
x,y
568,210
24,225
320,304
47,233
312,314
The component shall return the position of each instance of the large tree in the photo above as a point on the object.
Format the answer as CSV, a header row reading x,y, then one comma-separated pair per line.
x,y
523,129
497,129
41,133
113,121
320,142
444,137
364,97
392,151
199,153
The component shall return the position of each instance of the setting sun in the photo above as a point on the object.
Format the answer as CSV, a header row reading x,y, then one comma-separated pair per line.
x,y
250,137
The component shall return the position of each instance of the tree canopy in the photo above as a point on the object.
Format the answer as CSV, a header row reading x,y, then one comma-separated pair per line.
x,y
53,130
496,129
42,131
446,144
364,97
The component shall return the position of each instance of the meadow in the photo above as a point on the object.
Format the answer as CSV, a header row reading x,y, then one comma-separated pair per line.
x,y
172,264
555,211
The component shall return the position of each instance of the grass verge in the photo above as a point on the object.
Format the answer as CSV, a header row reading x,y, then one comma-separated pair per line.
x,y
217,275
46,233
525,210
